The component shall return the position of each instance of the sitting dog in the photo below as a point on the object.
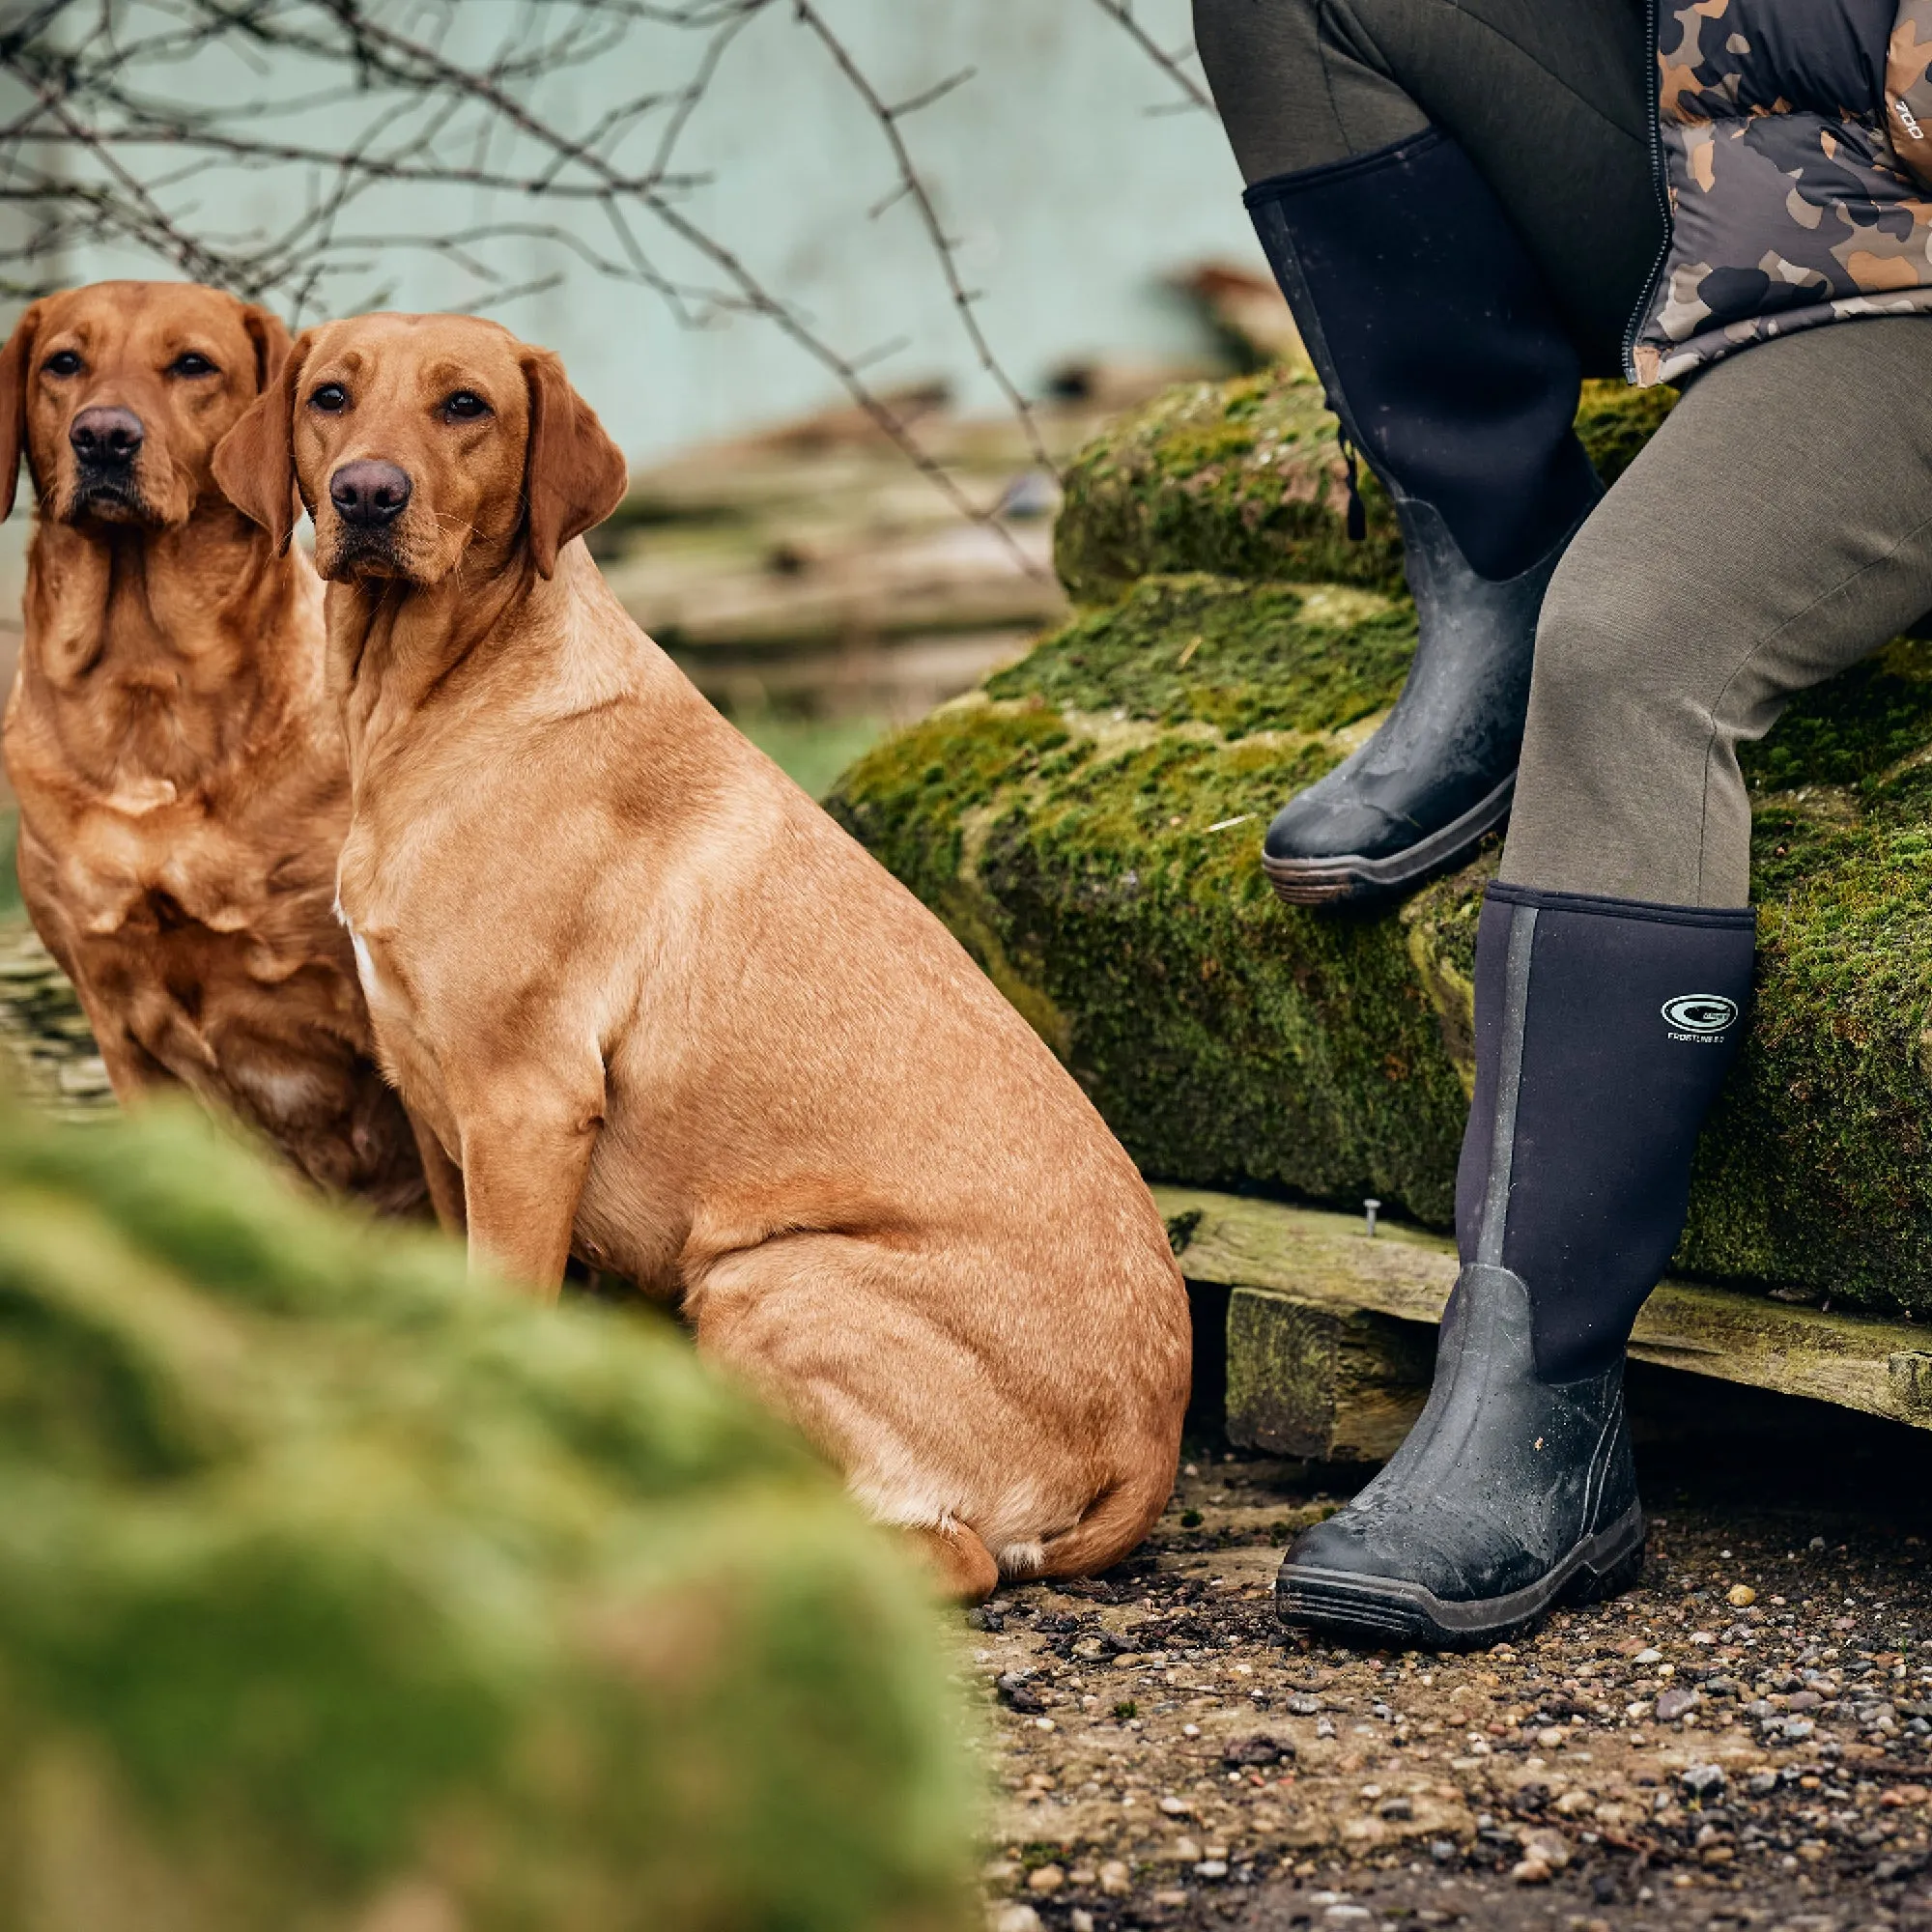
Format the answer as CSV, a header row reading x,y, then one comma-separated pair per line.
x,y
662,1013
182,783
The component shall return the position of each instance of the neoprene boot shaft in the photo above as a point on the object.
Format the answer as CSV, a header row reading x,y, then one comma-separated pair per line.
x,y
1604,1030
1442,357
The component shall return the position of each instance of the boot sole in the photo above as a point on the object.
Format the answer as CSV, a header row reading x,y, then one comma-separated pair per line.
x,y
1350,876
1388,1612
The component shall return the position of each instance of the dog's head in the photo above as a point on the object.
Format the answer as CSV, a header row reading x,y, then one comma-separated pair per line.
x,y
119,393
414,439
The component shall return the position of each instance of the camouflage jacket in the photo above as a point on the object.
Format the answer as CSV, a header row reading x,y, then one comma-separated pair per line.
x,y
1793,141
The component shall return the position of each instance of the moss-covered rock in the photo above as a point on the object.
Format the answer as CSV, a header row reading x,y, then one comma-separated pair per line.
x,y
339,1592
1246,479
1089,823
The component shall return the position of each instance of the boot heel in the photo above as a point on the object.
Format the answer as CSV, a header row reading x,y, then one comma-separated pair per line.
x,y
1593,1586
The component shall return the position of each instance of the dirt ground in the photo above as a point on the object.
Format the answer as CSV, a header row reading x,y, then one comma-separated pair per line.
x,y
1745,1740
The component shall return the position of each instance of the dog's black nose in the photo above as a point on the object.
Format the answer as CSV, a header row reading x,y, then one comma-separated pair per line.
x,y
107,436
369,494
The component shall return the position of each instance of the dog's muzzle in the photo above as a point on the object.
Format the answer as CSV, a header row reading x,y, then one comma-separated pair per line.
x,y
106,442
370,496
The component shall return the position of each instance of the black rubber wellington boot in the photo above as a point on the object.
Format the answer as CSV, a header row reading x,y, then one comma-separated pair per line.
x,y
1442,355
1603,1029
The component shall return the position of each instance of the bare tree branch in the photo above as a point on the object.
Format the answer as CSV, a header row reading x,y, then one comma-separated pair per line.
x,y
121,142
912,188
1122,13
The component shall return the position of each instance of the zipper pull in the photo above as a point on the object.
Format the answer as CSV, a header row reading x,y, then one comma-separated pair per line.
x,y
1356,522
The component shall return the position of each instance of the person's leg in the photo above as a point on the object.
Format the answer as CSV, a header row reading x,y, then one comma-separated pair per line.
x,y
1614,958
1777,529
1548,101
1289,93
1447,359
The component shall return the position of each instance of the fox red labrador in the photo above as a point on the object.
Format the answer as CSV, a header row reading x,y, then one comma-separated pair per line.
x,y
664,1015
183,787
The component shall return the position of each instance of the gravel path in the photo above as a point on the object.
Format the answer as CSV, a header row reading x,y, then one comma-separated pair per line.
x,y
1746,1740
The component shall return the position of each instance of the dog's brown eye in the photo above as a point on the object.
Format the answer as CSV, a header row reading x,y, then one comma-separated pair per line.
x,y
62,363
466,405
330,398
188,363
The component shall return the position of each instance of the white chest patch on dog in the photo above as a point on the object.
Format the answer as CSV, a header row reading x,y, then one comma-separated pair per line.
x,y
366,964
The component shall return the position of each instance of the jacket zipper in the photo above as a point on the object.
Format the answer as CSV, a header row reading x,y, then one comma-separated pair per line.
x,y
1660,181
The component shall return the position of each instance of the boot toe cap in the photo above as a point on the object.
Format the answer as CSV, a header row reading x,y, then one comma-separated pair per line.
x,y
1455,1560
1339,1544
1313,830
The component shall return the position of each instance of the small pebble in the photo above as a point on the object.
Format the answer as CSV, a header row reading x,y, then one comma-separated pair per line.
x,y
1015,1918
1048,1878
1675,1703
1116,1880
1646,1657
1530,1871
1740,1596
1081,1920
1546,1848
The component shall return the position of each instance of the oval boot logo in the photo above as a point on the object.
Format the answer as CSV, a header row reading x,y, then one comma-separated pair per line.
x,y
1700,1012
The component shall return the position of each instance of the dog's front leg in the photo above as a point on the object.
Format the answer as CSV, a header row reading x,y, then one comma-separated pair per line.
x,y
526,1144
441,1176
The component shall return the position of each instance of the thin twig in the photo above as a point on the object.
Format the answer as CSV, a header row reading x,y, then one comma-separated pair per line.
x,y
107,148
1122,13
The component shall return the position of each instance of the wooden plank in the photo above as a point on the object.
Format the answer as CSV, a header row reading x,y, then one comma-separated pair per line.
x,y
47,1052
1863,1362
1333,1384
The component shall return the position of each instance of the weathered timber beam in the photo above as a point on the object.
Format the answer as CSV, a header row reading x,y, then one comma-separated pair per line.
x,y
47,1052
1333,1384
1328,1261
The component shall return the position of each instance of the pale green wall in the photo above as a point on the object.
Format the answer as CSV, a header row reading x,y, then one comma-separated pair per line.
x,y
1072,197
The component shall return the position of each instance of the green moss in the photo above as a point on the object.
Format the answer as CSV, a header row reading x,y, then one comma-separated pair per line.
x,y
1236,656
1614,422
1246,479
1242,478
335,1587
1851,730
10,877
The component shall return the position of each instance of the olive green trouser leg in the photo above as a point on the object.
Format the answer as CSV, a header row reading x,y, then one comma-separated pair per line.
x,y
1547,97
1776,530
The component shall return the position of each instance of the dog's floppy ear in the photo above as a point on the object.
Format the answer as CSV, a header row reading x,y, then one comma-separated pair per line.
x,y
14,361
255,462
574,474
269,334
